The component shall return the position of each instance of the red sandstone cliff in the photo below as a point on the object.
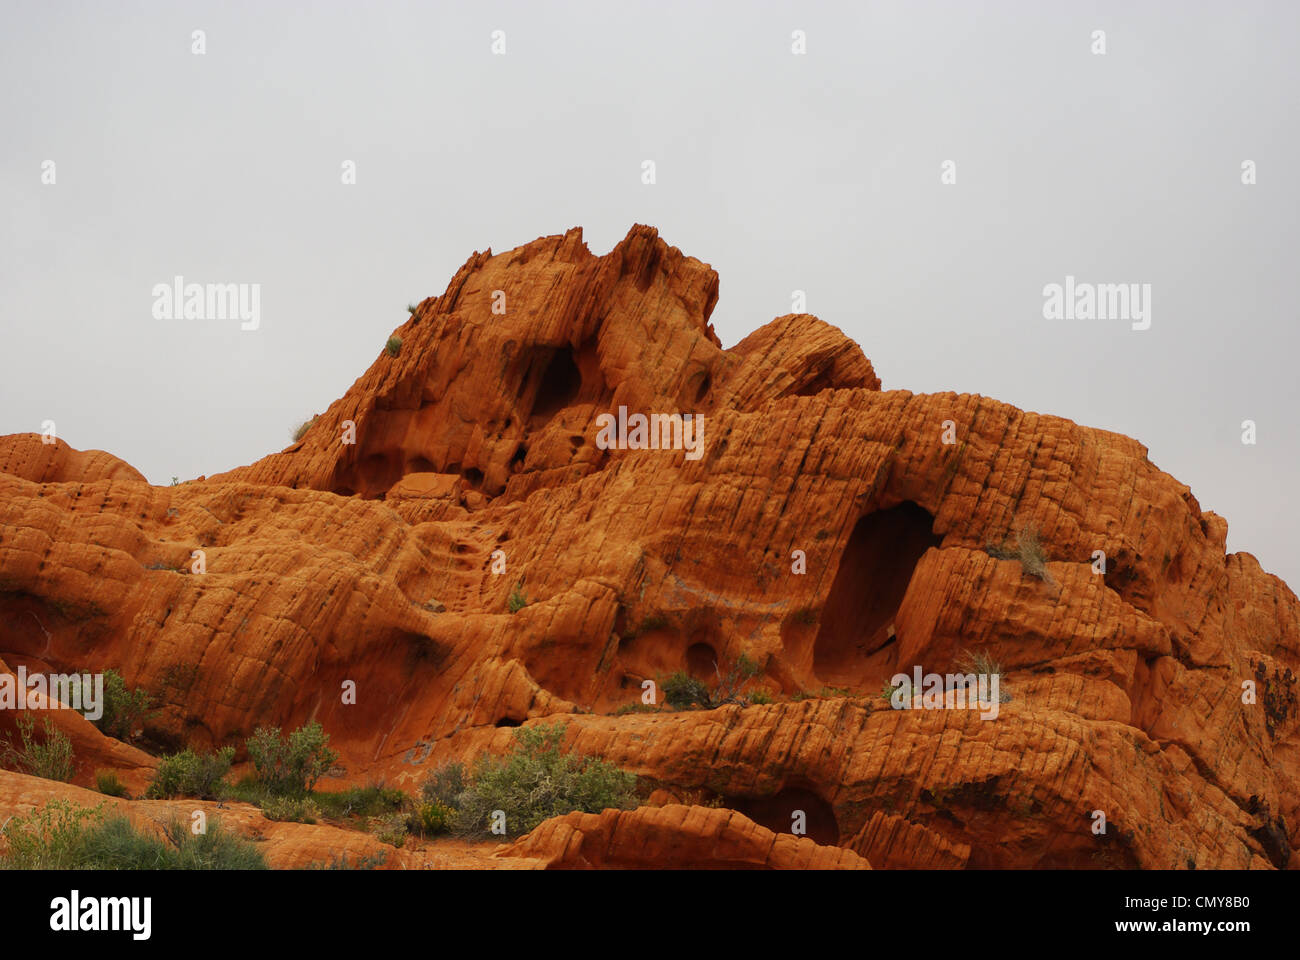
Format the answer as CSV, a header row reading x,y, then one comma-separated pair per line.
x,y
373,562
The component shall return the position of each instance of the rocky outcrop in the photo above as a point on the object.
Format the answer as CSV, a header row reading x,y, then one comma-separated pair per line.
x,y
674,836
833,532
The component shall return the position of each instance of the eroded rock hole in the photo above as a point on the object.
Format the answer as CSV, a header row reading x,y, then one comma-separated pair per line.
x,y
700,658
779,813
874,571
560,384
508,722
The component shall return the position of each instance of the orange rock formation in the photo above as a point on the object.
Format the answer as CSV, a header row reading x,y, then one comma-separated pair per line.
x,y
828,533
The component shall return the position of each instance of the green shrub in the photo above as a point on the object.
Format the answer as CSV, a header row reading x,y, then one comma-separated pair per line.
x,y
410,308
107,782
445,785
290,809
123,709
537,781
516,601
51,758
428,819
190,774
760,697
392,831
63,836
369,801
290,767
681,691
393,346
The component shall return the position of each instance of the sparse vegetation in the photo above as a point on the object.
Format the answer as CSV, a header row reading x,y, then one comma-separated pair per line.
x,y
1028,549
393,346
806,616
759,697
191,774
517,600
682,691
445,785
369,801
51,757
291,809
290,767
108,783
124,709
981,664
370,862
300,431
635,707
392,830
428,819
537,781
64,836
410,308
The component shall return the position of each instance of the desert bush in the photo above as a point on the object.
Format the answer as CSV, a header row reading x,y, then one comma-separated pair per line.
x,y
392,830
681,691
981,664
759,697
537,781
1028,549
369,801
290,767
64,836
300,431
733,681
393,346
290,809
123,709
516,601
432,818
191,774
445,785
108,783
410,308
50,758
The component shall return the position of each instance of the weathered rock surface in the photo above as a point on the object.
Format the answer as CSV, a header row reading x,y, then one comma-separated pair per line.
x,y
674,836
391,562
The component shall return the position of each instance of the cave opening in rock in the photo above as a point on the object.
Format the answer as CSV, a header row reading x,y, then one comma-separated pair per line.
x,y
560,384
874,571
509,722
779,813
700,658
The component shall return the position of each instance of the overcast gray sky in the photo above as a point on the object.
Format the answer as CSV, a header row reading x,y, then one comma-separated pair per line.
x,y
818,172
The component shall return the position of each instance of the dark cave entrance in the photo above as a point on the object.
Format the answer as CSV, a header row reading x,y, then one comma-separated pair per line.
x,y
700,658
560,384
874,571
777,813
